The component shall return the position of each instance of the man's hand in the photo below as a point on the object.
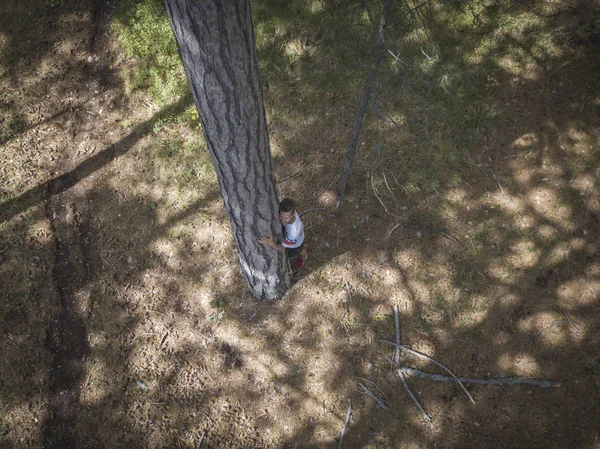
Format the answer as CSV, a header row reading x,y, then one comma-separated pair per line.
x,y
267,241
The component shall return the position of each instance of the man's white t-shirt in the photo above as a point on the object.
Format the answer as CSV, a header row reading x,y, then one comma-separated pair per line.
x,y
294,233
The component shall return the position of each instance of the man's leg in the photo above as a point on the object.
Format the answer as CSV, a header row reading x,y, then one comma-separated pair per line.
x,y
293,256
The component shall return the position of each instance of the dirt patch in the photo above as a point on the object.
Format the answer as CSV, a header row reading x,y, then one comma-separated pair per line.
x,y
126,322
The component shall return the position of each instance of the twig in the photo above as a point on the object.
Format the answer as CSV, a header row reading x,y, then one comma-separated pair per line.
x,y
384,264
348,415
316,195
497,182
371,382
349,288
164,338
574,323
399,373
302,165
426,357
377,196
202,439
390,190
146,334
426,416
502,381
397,350
396,57
430,228
57,48
367,392
312,210
209,418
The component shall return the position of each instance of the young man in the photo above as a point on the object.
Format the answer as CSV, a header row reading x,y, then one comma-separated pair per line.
x,y
293,233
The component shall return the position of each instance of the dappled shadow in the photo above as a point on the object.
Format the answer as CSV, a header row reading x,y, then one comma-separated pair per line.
x,y
180,353
59,184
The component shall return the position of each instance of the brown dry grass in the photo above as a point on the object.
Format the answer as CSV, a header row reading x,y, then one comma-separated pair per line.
x,y
178,351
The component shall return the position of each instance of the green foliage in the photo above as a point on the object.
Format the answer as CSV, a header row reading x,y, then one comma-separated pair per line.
x,y
215,317
143,30
313,57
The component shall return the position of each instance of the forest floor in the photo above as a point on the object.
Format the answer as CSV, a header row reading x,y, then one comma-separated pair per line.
x,y
125,321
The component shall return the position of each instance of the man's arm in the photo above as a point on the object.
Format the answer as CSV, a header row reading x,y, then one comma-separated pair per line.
x,y
269,242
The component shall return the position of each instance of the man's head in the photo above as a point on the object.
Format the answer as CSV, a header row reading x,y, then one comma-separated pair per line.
x,y
287,211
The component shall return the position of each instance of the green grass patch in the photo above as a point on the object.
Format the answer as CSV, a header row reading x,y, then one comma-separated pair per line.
x,y
181,159
144,33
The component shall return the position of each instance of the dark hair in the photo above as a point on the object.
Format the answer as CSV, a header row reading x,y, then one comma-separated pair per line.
x,y
287,205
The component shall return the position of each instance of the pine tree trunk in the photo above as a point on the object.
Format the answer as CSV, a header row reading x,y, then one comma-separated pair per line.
x,y
216,44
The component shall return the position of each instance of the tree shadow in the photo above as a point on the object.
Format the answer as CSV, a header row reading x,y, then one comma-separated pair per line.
x,y
179,353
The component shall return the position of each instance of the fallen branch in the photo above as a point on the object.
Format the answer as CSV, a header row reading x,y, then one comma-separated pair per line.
x,y
202,439
293,175
390,190
400,374
574,324
381,265
430,228
364,390
312,210
371,382
316,195
397,350
426,357
377,52
380,201
348,415
502,381
426,416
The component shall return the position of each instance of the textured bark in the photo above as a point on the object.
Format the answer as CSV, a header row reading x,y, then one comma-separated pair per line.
x,y
216,44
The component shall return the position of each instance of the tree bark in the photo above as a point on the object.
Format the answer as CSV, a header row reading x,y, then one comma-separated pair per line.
x,y
215,39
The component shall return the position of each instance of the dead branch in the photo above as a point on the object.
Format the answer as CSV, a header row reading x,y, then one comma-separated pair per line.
x,y
397,349
442,232
377,196
578,327
371,382
312,210
390,190
497,182
364,390
430,359
293,175
378,48
348,415
202,439
316,195
501,381
400,374
426,415
349,288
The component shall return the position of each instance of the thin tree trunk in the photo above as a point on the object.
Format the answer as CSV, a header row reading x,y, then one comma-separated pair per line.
x,y
378,48
216,44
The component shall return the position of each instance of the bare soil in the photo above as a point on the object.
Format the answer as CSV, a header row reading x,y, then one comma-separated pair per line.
x,y
125,322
